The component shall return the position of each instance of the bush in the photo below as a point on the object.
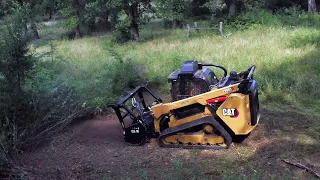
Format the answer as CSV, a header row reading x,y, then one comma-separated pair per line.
x,y
295,16
29,112
285,17
95,86
275,5
252,19
15,64
122,32
107,85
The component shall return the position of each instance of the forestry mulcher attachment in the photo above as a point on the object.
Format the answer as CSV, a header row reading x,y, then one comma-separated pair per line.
x,y
205,112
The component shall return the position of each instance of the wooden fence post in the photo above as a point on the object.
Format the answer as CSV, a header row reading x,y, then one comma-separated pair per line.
x,y
188,30
220,28
196,26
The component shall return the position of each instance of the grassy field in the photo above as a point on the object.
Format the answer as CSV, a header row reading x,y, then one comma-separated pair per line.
x,y
287,55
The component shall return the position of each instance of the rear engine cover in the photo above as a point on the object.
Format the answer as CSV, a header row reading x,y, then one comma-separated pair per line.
x,y
190,80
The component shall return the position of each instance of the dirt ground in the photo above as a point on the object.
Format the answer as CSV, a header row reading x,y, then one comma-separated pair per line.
x,y
95,149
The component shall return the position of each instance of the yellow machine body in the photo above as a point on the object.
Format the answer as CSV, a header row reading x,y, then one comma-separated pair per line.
x,y
236,104
240,125
205,112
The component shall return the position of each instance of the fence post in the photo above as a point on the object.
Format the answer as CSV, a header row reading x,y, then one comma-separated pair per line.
x,y
196,26
188,30
220,28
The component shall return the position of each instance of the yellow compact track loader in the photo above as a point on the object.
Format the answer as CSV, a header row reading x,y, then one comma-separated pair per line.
x,y
205,112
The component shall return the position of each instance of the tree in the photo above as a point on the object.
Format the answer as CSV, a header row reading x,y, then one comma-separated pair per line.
x,y
32,9
275,5
172,10
232,6
15,62
85,13
216,7
236,6
2,9
312,7
73,11
97,13
198,7
136,11
49,7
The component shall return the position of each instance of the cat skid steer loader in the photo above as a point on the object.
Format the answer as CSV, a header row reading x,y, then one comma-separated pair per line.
x,y
205,112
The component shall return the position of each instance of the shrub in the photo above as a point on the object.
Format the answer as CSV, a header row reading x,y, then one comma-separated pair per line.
x,y
252,19
108,83
122,32
291,17
29,112
15,64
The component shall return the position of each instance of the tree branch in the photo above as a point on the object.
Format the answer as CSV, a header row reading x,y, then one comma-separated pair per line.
x,y
301,166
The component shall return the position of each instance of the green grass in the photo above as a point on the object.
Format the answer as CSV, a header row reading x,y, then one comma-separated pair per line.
x,y
285,49
287,58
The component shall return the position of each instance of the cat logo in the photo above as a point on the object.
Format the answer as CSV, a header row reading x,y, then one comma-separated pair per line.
x,y
185,102
232,112
227,90
135,130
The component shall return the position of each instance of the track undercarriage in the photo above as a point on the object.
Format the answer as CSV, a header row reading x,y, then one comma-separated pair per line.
x,y
204,133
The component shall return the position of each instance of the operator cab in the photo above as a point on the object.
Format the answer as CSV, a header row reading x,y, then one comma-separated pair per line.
x,y
227,81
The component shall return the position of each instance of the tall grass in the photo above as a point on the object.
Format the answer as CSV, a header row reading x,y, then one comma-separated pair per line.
x,y
285,49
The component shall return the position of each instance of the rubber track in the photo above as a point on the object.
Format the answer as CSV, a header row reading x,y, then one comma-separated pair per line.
x,y
206,120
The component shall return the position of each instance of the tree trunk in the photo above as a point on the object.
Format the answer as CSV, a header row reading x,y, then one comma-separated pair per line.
x,y
312,7
35,31
25,32
177,24
135,32
107,14
50,15
113,19
92,25
214,9
106,17
78,32
214,5
133,12
21,2
174,24
76,5
135,22
25,27
233,8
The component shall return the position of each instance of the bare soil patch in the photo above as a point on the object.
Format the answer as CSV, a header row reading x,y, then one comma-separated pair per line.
x,y
95,149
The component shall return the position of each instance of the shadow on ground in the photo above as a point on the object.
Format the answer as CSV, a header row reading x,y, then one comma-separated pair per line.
x,y
295,81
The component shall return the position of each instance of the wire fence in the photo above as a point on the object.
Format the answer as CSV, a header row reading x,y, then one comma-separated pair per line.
x,y
197,28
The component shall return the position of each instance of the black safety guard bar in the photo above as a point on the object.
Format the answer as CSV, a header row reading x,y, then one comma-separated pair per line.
x,y
244,86
122,103
248,74
200,65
